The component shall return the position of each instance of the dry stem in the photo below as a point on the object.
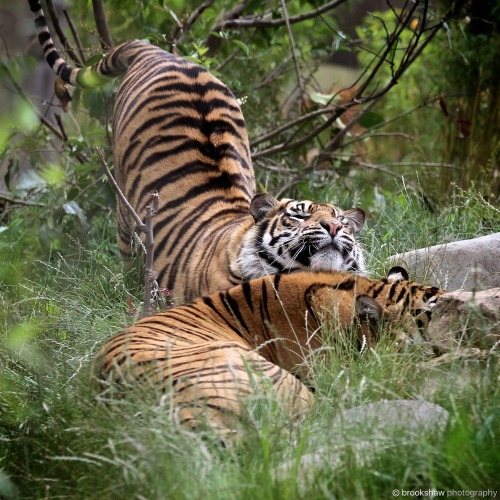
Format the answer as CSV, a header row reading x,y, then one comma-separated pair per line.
x,y
145,227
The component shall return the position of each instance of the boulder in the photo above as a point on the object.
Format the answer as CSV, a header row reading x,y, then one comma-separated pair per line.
x,y
365,431
468,264
464,319
397,415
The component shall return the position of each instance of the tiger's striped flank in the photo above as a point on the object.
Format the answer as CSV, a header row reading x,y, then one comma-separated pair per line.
x,y
212,354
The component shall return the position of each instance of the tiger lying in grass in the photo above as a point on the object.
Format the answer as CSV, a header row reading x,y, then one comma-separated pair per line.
x,y
219,349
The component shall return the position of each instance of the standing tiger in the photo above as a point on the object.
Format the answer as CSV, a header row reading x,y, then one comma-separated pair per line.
x,y
212,353
179,131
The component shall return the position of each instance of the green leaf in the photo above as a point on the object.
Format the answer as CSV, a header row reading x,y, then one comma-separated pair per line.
x,y
202,51
72,208
371,119
53,174
242,46
25,115
92,60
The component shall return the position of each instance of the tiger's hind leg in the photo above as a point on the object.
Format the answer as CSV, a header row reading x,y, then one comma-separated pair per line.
x,y
209,383
229,376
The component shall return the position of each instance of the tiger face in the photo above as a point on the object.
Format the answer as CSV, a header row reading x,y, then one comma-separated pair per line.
x,y
291,235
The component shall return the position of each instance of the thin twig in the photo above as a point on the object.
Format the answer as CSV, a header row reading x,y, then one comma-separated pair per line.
x,y
275,73
300,83
76,37
187,25
261,21
61,127
213,41
102,24
413,50
288,145
140,225
334,143
380,168
60,33
25,98
234,53
228,59
409,164
293,123
356,99
149,274
16,201
146,227
392,41
80,156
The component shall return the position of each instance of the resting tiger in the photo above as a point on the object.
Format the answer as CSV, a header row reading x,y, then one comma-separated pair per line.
x,y
212,353
179,131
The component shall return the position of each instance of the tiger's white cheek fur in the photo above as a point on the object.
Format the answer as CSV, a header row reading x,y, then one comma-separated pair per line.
x,y
250,264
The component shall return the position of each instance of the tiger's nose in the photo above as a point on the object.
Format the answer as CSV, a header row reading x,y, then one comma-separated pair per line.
x,y
332,227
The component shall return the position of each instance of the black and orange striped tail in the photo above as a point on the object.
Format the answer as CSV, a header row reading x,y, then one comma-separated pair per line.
x,y
91,77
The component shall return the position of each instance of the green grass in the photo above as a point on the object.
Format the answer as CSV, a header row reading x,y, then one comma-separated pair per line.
x,y
58,441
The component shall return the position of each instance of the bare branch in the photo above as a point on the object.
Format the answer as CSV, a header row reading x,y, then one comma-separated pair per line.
x,y
381,166
293,123
300,83
288,145
80,156
145,227
368,133
60,33
266,21
140,225
75,35
234,53
61,127
25,98
213,42
102,24
16,201
335,142
187,25
414,49
276,73
149,274
392,41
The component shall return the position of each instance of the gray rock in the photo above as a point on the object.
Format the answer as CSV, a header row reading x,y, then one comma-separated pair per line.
x,y
467,264
398,415
464,319
365,431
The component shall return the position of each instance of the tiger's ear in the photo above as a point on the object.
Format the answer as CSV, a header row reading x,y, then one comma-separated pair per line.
x,y
369,310
261,205
356,218
398,273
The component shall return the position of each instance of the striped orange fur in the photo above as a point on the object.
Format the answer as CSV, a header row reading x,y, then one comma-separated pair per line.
x,y
216,351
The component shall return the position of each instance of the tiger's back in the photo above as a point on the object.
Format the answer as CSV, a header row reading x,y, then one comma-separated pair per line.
x,y
192,148
178,131
266,329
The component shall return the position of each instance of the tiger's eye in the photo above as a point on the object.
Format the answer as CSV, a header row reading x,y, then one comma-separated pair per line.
x,y
299,217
